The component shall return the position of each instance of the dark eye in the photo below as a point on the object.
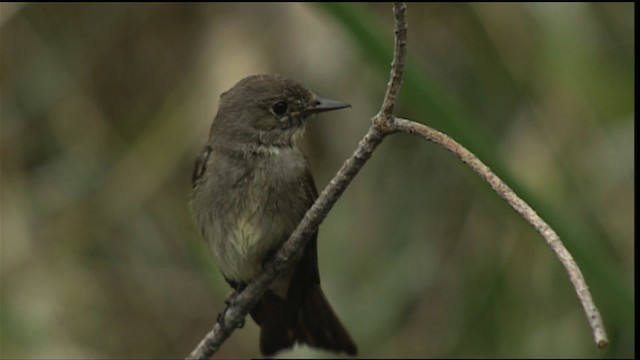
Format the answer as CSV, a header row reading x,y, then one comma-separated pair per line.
x,y
280,108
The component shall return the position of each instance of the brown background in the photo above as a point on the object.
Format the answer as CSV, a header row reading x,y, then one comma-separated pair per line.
x,y
104,107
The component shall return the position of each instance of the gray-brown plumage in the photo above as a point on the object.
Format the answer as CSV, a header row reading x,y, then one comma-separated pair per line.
x,y
251,187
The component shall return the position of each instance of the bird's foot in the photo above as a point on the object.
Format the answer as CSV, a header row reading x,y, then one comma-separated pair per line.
x,y
223,315
238,287
268,266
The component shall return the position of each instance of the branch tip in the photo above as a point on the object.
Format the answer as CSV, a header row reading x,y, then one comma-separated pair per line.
x,y
504,191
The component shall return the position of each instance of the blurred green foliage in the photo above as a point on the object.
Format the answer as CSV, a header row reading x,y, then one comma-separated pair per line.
x,y
104,106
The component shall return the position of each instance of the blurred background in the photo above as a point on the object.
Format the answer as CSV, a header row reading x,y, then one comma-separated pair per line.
x,y
105,106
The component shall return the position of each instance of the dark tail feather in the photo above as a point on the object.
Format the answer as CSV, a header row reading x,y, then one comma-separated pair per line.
x,y
275,317
318,326
315,324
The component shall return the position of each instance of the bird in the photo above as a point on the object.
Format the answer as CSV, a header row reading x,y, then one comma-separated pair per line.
x,y
251,186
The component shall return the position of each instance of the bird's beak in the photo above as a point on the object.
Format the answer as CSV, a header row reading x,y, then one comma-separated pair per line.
x,y
322,105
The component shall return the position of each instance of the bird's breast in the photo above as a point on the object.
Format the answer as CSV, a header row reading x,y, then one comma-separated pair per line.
x,y
250,208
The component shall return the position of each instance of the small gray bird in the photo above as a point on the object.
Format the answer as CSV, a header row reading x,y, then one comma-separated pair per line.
x,y
251,188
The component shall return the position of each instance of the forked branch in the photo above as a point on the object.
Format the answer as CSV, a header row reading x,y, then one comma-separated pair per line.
x,y
385,123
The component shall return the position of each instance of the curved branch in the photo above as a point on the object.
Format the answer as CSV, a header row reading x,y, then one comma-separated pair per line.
x,y
505,192
384,123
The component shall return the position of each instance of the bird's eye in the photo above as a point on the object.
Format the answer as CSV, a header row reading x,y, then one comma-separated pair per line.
x,y
280,108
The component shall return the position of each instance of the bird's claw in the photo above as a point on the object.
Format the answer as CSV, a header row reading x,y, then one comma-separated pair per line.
x,y
268,266
234,294
223,314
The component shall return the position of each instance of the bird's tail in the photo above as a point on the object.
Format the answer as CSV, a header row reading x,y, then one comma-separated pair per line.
x,y
313,323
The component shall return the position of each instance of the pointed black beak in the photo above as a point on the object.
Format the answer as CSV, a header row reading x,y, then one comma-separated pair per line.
x,y
322,105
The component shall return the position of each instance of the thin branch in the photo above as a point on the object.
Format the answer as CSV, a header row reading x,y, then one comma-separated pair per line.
x,y
240,304
397,65
384,123
550,236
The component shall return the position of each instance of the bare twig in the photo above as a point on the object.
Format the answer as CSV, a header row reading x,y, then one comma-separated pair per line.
x,y
240,304
552,239
397,66
383,124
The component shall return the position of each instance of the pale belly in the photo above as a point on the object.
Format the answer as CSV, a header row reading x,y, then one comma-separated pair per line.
x,y
241,247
